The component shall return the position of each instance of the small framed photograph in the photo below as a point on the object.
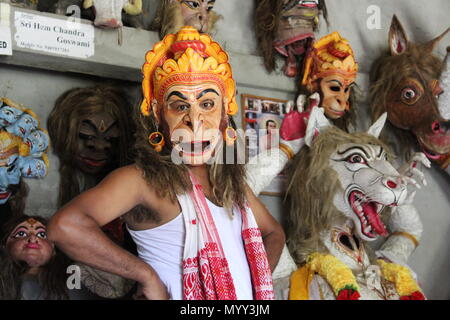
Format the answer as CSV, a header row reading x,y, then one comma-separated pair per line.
x,y
261,120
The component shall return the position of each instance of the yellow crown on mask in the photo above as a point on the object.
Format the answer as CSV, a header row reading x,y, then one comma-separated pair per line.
x,y
9,144
186,58
330,55
12,144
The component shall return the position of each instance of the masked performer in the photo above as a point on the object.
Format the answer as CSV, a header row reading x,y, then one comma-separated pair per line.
x,y
405,84
356,184
172,15
207,236
287,27
31,268
23,147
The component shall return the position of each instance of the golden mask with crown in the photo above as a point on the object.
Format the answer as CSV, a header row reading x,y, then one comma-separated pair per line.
x,y
186,58
330,55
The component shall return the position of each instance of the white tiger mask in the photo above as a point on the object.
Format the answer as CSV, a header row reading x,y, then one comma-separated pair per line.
x,y
369,181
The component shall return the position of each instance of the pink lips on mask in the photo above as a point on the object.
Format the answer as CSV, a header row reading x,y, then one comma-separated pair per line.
x,y
32,246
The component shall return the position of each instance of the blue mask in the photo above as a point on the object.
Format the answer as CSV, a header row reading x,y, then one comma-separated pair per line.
x,y
32,167
38,141
9,115
23,126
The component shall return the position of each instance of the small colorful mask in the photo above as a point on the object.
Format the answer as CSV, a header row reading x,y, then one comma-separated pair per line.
x,y
8,113
189,88
330,69
24,125
14,149
38,141
291,35
172,15
32,167
405,85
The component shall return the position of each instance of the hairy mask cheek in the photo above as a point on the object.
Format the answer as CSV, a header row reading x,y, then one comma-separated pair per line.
x,y
407,117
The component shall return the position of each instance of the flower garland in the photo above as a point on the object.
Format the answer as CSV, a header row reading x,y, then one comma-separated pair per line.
x,y
401,276
344,284
337,274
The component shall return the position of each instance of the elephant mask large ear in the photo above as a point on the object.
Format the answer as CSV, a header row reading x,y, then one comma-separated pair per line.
x,y
317,123
398,40
376,128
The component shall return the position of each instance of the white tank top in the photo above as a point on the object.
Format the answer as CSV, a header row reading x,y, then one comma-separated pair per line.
x,y
162,248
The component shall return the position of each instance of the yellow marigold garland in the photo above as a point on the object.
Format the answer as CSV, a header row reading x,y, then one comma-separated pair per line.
x,y
344,284
335,272
404,282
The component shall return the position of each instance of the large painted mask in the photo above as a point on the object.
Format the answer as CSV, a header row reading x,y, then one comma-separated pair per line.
x,y
291,35
174,14
189,91
406,85
370,183
351,175
21,153
330,69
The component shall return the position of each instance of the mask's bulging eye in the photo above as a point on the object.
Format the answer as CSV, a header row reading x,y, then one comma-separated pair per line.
x,y
356,158
409,95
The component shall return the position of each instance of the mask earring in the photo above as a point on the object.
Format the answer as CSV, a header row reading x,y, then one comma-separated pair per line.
x,y
230,135
156,140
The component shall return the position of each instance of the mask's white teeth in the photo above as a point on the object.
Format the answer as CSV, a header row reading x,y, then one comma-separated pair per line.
x,y
379,207
358,208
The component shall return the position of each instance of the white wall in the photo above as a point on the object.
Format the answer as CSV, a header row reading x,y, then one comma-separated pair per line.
x,y
422,20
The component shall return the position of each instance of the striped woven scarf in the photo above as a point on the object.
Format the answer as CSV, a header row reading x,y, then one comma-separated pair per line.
x,y
206,274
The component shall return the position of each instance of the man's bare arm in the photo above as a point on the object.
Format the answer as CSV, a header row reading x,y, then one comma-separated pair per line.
x,y
272,233
76,229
